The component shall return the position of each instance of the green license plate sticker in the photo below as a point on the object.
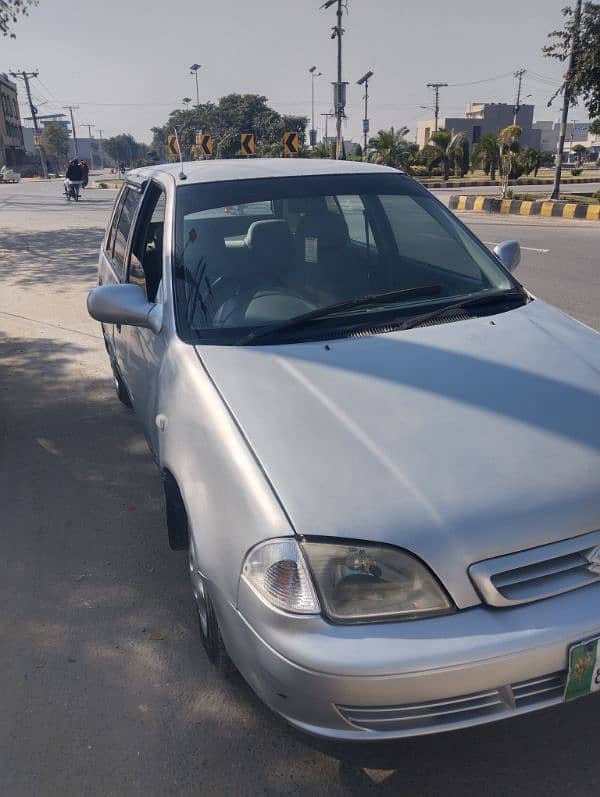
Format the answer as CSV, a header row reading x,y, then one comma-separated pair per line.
x,y
584,670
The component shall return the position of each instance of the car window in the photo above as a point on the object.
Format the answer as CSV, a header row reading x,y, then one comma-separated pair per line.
x,y
145,260
258,252
422,237
131,201
110,238
356,217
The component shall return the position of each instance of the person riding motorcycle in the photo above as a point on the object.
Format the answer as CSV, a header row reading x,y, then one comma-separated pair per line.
x,y
73,177
85,170
74,171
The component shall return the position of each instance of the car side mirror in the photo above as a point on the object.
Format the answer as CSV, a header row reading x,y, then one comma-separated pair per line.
x,y
124,304
509,254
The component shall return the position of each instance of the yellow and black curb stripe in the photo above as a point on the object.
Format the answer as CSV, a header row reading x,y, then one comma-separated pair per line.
x,y
522,207
520,181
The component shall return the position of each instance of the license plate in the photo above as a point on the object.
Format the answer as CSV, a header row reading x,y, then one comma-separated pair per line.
x,y
584,670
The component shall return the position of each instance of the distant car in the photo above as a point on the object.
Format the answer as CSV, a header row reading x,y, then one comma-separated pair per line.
x,y
9,176
381,452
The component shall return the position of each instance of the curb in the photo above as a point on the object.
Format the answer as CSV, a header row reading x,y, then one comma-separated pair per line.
x,y
520,181
523,207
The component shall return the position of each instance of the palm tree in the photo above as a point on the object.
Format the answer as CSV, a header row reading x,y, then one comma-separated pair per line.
x,y
486,154
441,141
459,154
390,148
508,141
530,160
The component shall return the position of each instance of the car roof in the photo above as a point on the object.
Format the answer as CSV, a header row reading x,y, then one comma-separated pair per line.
x,y
253,169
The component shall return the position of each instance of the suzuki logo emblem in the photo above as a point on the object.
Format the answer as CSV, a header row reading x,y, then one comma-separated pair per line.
x,y
593,557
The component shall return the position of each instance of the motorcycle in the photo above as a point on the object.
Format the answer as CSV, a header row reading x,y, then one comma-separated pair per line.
x,y
72,189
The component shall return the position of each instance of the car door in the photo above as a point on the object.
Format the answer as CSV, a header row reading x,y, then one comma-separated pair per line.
x,y
139,351
108,273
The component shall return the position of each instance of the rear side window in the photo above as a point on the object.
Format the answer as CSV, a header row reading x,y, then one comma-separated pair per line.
x,y
110,239
131,201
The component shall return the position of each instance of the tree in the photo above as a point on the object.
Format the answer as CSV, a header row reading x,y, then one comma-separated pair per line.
x,y
124,148
595,127
226,120
585,80
508,141
10,11
441,141
55,140
390,148
458,151
580,151
486,154
528,160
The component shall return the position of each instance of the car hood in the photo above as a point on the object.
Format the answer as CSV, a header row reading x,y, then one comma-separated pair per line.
x,y
457,442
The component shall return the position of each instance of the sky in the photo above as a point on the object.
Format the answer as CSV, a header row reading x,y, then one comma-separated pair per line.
x,y
126,62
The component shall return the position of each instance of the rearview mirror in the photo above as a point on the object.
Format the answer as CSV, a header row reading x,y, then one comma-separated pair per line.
x,y
509,254
124,304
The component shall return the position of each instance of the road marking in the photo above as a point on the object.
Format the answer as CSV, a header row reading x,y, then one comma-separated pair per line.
x,y
526,248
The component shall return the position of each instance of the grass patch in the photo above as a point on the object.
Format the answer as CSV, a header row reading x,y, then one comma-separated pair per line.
x,y
586,199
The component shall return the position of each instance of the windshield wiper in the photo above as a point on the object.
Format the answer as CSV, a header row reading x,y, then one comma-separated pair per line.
x,y
373,299
469,301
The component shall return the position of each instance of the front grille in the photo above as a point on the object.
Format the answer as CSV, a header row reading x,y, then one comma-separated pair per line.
x,y
539,573
478,707
547,690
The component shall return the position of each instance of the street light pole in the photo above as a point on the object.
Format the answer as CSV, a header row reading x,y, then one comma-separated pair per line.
x,y
339,85
313,132
365,80
194,71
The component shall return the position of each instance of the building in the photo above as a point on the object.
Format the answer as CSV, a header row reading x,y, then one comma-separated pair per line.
x,y
577,133
482,118
85,148
12,150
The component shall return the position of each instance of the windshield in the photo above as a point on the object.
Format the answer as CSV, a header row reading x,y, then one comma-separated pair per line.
x,y
251,254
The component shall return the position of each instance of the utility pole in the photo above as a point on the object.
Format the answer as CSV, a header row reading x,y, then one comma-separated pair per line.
x,y
365,80
101,150
313,132
327,116
89,127
339,86
436,88
194,71
71,108
567,96
519,75
24,76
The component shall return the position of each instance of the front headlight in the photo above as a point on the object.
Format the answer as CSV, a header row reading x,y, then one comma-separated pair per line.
x,y
356,582
362,582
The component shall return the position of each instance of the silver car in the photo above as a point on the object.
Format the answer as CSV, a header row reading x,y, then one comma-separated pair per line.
x,y
380,451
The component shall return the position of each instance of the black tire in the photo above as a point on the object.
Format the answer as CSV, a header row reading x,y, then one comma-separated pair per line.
x,y
208,625
120,389
177,522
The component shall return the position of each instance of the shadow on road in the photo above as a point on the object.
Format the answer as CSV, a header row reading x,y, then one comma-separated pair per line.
x,y
106,689
50,256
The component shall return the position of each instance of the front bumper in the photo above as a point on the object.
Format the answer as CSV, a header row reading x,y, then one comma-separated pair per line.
x,y
392,680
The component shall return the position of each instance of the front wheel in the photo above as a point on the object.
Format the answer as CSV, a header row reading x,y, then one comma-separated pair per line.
x,y
210,634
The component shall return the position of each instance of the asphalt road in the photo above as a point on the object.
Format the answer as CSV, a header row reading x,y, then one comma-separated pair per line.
x,y
104,687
